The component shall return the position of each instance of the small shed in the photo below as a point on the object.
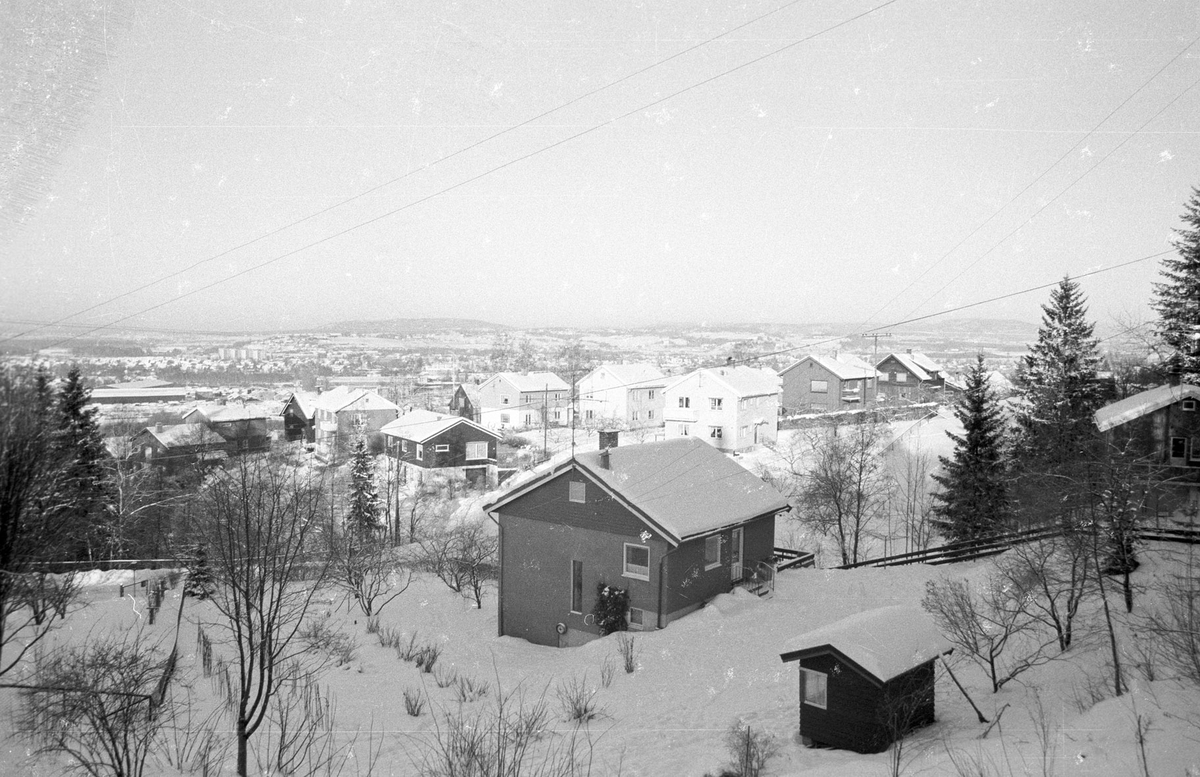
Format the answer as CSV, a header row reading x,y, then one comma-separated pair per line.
x,y
867,680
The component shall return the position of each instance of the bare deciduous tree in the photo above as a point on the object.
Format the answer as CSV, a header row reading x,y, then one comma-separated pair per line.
x,y
910,471
368,572
258,522
463,557
1054,576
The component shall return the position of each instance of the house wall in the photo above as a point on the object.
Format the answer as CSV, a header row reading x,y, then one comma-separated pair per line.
x,y
644,407
295,426
910,388
798,396
456,437
689,584
1150,438
735,418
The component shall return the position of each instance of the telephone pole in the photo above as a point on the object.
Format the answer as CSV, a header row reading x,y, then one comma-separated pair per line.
x,y
875,336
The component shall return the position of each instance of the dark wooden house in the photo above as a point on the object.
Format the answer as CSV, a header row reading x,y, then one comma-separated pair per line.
x,y
175,447
426,443
244,427
673,523
1159,429
910,377
867,680
465,402
299,417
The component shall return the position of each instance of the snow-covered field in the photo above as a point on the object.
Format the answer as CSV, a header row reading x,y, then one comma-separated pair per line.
x,y
694,678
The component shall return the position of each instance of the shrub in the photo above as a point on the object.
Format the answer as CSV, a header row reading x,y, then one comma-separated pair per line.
x,y
319,636
373,625
607,669
610,608
748,750
414,702
514,440
468,689
627,651
445,677
578,701
428,656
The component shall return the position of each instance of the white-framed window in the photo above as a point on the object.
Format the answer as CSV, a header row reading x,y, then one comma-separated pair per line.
x,y
649,415
477,450
404,446
651,393
712,551
1189,406
556,395
818,386
420,451
637,561
716,432
589,414
883,377
577,491
900,377
504,418
441,449
715,403
816,688
528,419
685,401
742,403
576,586
504,399
557,415
684,430
633,416
637,617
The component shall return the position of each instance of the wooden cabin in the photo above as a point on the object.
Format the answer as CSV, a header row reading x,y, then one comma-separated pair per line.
x,y
867,680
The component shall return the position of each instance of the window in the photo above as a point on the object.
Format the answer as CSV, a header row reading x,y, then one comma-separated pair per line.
x,y
684,430
1189,405
576,586
504,399
441,449
742,404
650,415
528,419
637,562
715,432
589,415
900,377
818,386
715,403
685,401
404,446
652,394
577,491
556,395
816,688
420,451
637,617
633,416
1178,447
883,377
504,418
477,450
557,415
712,551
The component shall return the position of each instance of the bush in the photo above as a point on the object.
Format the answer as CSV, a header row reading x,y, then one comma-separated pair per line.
x,y
627,651
610,608
514,440
319,636
414,702
748,750
468,689
578,701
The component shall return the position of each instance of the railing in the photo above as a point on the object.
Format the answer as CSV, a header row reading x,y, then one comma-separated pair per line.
x,y
758,578
789,558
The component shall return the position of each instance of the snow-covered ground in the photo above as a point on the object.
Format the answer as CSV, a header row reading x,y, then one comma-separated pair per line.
x,y
694,678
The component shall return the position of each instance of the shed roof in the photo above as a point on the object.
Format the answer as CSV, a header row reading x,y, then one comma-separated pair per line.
x,y
1142,403
422,425
883,642
305,402
683,487
225,413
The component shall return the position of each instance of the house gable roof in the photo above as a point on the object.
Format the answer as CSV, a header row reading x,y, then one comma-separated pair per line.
x,y
910,363
227,413
843,367
531,381
880,644
182,435
683,487
470,391
304,402
631,375
1143,403
338,399
739,381
422,425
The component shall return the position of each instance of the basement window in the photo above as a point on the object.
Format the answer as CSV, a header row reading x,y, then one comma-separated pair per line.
x,y
637,618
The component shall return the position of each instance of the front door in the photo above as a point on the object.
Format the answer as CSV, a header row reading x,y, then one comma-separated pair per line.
x,y
735,555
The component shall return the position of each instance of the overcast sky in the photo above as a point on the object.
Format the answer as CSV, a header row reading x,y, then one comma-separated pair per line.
x,y
830,181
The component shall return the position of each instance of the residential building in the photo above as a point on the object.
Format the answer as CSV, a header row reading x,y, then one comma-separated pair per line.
x,y
299,421
910,377
341,413
174,447
621,396
827,383
428,443
673,523
510,400
465,402
244,427
731,408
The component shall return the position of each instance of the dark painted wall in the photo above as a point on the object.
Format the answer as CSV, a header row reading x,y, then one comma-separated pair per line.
x,y
457,438
689,584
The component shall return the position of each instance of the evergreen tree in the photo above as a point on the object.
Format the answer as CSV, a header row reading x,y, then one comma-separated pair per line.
x,y
362,522
199,582
1177,298
1058,384
974,499
81,447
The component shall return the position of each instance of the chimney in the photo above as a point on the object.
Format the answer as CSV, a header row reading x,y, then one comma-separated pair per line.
x,y
910,352
608,439
604,464
158,426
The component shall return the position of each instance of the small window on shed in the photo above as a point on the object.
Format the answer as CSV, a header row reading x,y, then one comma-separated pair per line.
x,y
816,689
712,551
577,491
1189,405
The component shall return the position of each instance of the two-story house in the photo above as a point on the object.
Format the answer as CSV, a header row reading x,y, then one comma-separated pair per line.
x,y
427,443
622,396
673,523
730,408
1159,429
825,384
341,413
465,402
524,400
298,413
910,377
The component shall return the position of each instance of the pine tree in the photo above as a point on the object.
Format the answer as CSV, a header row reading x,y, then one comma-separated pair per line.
x,y
199,582
1058,383
363,519
1177,298
974,499
81,447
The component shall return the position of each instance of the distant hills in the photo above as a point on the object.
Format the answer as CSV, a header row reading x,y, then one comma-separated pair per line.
x,y
411,326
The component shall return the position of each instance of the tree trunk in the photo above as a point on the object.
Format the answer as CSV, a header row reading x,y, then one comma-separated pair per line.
x,y
242,740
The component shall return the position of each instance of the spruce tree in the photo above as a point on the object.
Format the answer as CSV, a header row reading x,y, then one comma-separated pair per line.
x,y
82,451
362,522
1058,384
973,501
1177,298
199,582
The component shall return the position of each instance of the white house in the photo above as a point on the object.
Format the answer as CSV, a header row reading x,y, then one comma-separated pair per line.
x,y
623,396
731,408
524,400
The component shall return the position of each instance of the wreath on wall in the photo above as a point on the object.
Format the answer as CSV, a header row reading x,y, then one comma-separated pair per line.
x,y
611,606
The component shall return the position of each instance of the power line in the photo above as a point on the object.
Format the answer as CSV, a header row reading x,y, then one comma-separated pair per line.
x,y
410,173
497,168
1040,176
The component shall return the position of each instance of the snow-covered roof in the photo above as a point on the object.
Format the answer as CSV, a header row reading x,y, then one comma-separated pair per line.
x,y
1142,403
631,375
183,435
683,487
337,399
471,390
220,413
305,402
918,364
740,380
883,642
531,381
845,367
421,425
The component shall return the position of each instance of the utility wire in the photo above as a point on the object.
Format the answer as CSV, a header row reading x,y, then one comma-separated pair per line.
x,y
410,173
1032,183
497,168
